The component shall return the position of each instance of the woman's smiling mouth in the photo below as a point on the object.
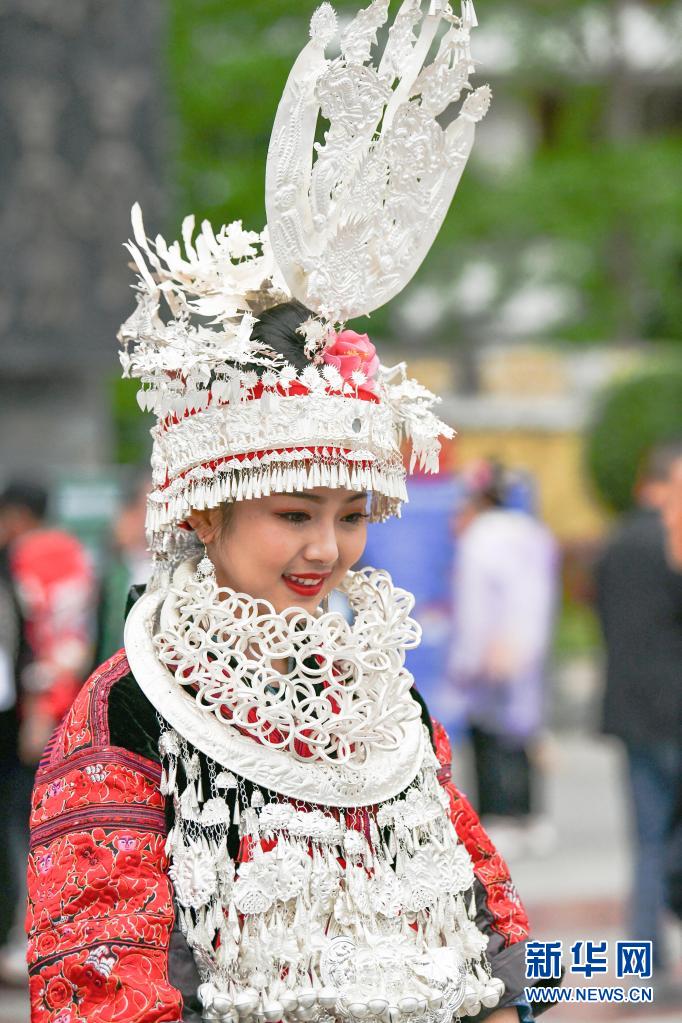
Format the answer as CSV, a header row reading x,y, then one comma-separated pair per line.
x,y
308,584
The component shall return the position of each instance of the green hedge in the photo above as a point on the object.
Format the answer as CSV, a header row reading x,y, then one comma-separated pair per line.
x,y
631,416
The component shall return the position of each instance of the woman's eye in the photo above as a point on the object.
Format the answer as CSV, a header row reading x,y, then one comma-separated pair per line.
x,y
355,518
294,516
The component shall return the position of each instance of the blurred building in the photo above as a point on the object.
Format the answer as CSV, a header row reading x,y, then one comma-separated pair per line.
x,y
82,124
529,408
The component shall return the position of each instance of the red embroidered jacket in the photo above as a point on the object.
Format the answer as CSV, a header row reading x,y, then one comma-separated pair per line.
x,y
100,907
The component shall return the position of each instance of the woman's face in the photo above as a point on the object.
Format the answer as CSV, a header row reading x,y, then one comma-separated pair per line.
x,y
290,549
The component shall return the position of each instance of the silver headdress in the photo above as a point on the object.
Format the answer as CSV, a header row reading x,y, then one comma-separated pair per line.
x,y
350,230
349,222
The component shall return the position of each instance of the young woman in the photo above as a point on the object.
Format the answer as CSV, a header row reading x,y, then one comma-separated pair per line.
x,y
123,875
248,814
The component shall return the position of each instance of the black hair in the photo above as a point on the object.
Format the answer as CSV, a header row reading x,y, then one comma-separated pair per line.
x,y
493,493
33,497
278,328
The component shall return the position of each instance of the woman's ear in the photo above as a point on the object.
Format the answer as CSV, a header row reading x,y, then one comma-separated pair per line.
x,y
205,523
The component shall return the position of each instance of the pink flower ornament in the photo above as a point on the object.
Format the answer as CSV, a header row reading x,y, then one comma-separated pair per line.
x,y
352,354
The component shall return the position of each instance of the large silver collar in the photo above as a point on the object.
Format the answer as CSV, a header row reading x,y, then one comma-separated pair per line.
x,y
369,738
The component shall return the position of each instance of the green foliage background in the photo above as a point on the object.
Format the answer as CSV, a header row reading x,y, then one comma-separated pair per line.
x,y
599,186
634,415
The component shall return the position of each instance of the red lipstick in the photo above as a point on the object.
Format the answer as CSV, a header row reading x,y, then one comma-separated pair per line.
x,y
314,581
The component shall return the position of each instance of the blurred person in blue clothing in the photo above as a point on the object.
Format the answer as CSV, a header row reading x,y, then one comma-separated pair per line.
x,y
504,590
639,602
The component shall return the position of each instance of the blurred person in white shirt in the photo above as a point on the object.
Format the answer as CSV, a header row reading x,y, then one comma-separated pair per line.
x,y
504,595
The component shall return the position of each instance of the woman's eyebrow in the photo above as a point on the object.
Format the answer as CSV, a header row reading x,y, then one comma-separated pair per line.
x,y
316,497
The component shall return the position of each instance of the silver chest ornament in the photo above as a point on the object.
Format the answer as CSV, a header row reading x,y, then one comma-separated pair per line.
x,y
334,913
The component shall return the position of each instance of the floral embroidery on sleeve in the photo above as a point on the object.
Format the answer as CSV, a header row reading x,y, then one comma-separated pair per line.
x,y
100,907
504,903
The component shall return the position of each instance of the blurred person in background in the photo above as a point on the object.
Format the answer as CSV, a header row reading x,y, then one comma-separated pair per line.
x,y
128,564
46,588
672,515
504,592
672,519
13,656
639,602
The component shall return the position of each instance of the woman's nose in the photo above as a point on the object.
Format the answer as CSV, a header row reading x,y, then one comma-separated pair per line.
x,y
323,547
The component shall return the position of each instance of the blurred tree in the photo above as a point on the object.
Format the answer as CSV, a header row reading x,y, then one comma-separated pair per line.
x,y
631,416
131,440
566,223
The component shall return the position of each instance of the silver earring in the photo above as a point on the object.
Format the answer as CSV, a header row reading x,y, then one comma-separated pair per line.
x,y
205,569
